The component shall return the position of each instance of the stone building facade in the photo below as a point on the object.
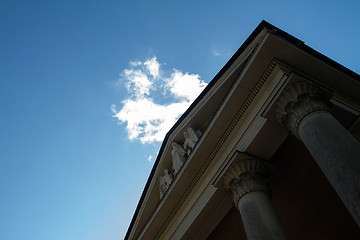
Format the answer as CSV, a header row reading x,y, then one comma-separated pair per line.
x,y
269,150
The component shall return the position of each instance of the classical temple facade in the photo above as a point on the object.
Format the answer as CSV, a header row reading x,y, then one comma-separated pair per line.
x,y
269,150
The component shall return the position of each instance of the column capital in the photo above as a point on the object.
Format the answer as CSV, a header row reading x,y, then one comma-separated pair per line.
x,y
298,101
245,175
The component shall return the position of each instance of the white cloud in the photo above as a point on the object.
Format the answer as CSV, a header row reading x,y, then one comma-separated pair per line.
x,y
220,51
216,53
138,82
145,119
135,63
153,66
185,85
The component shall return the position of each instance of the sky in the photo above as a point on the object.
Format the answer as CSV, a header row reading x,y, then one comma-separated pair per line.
x,y
88,89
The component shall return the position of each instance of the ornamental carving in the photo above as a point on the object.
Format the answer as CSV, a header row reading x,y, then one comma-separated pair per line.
x,y
247,175
165,182
179,152
297,102
178,155
191,138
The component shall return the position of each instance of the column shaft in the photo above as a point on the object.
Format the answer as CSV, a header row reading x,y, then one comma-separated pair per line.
x,y
337,153
259,218
304,110
248,180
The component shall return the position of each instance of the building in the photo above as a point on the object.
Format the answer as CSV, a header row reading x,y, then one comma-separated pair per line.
x,y
269,150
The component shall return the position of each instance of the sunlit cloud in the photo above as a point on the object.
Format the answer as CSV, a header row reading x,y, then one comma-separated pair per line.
x,y
135,63
220,51
147,120
138,82
153,66
185,85
216,53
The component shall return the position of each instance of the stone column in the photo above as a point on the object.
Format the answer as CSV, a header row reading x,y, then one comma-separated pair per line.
x,y
304,111
247,179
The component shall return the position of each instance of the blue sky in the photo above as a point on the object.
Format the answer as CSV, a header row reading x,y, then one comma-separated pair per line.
x,y
76,142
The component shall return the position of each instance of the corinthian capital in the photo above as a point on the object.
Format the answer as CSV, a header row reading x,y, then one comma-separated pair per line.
x,y
245,175
298,101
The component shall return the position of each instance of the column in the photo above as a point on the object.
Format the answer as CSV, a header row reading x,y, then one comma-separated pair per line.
x,y
248,180
304,111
